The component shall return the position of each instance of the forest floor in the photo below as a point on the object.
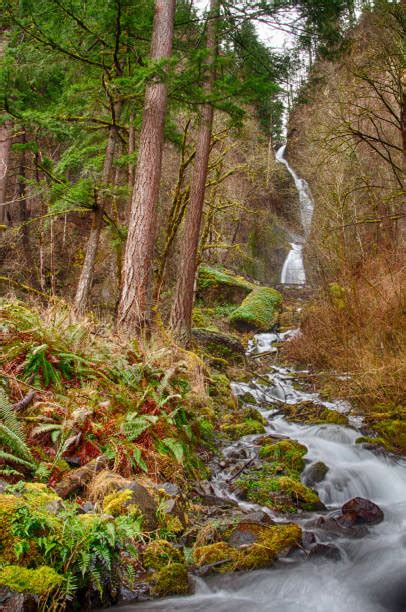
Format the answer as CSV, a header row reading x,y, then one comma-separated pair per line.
x,y
109,450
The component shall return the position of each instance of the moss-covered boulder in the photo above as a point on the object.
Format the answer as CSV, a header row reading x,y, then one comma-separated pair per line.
x,y
223,346
288,452
40,581
257,311
216,286
313,414
160,553
170,580
243,546
247,427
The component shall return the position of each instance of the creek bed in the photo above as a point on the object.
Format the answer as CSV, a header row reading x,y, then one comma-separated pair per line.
x,y
369,576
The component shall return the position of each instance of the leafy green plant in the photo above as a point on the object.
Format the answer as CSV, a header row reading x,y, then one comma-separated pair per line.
x,y
14,449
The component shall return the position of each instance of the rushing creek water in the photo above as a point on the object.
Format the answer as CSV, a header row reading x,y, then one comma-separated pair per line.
x,y
370,576
293,272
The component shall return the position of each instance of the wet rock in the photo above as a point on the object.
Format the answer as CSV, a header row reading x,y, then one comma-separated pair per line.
x,y
359,511
229,546
328,551
258,517
88,507
315,473
333,525
308,538
18,602
3,486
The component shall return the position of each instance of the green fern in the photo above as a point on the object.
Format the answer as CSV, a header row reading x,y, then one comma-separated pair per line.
x,y
14,447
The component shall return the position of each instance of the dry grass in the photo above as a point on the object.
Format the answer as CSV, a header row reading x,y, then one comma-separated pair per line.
x,y
361,330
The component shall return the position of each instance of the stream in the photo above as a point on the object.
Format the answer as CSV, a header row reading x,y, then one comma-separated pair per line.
x,y
370,573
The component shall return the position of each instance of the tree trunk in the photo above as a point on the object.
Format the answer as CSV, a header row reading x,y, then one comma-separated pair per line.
x,y
86,276
23,208
131,150
5,144
181,315
403,113
135,301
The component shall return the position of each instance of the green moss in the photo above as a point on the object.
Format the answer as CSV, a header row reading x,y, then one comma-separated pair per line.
x,y
160,553
288,452
278,488
267,542
38,581
257,311
209,277
253,413
375,441
313,414
247,398
246,428
117,503
170,580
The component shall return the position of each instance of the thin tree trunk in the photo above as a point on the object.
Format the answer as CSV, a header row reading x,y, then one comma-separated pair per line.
x,y
86,276
135,302
23,207
181,315
5,144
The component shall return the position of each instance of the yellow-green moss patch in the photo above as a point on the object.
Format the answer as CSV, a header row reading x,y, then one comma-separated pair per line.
x,y
313,414
257,311
37,581
170,580
160,553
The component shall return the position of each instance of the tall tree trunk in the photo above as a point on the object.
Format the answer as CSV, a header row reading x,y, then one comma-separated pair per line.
x,y
135,301
181,315
5,144
403,113
86,276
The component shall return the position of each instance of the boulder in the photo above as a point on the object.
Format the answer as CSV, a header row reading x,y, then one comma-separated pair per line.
x,y
219,345
315,473
10,601
360,511
76,480
257,311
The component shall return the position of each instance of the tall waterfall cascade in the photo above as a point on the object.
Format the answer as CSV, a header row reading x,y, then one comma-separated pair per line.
x,y
293,272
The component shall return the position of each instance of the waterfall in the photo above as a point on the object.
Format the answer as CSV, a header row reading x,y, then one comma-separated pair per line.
x,y
293,272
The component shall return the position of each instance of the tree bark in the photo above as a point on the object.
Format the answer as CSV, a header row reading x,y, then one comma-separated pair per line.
x,y
5,145
181,315
403,114
136,295
86,276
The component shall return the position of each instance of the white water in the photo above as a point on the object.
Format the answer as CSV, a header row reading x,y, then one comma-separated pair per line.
x,y
370,577
293,272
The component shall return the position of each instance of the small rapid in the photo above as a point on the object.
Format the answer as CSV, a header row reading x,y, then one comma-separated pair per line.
x,y
370,573
293,272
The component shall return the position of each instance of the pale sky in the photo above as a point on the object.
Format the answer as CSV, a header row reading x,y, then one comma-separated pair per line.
x,y
271,36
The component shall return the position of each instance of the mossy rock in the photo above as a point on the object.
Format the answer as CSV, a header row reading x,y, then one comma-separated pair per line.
x,y
220,345
279,488
160,553
247,398
40,581
170,580
313,414
389,429
221,287
288,452
252,413
121,502
245,546
257,311
246,428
